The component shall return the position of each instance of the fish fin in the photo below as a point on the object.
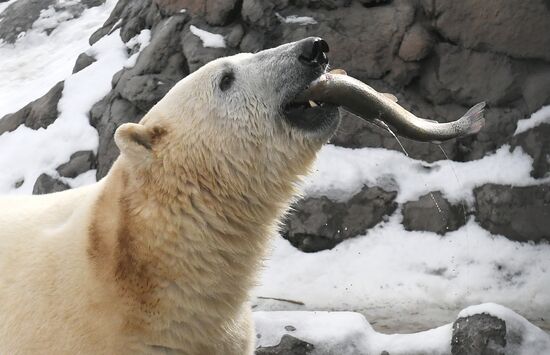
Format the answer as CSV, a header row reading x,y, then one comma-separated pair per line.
x,y
338,71
389,96
474,118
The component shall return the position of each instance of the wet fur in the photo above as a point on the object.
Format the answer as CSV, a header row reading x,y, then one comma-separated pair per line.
x,y
160,255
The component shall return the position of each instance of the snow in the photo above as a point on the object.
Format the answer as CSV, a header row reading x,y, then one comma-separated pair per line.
x,y
45,149
349,333
339,173
208,39
410,280
37,61
537,118
141,41
299,20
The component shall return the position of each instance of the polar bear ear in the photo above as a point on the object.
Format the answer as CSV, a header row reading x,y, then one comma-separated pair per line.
x,y
136,141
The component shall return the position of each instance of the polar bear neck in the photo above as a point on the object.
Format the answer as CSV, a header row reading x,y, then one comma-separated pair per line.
x,y
184,245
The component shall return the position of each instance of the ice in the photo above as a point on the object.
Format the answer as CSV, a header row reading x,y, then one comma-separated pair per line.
x,y
299,20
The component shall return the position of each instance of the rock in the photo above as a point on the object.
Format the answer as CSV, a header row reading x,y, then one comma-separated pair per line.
x,y
425,215
19,17
362,40
197,55
82,62
159,66
535,142
144,91
218,12
233,39
416,44
536,89
253,41
487,77
46,184
289,345
320,223
79,163
518,29
480,334
370,3
194,7
38,114
518,213
258,12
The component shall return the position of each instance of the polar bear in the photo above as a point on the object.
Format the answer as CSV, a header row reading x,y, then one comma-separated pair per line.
x,y
159,256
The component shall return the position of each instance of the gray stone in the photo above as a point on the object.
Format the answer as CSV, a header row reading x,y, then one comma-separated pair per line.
x,y
535,142
437,216
38,114
518,29
518,213
218,11
145,90
258,12
19,17
82,62
371,3
46,184
536,89
253,41
197,55
479,334
289,345
79,163
487,77
320,223
416,45
233,39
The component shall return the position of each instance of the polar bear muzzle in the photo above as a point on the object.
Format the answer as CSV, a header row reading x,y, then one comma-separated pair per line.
x,y
311,116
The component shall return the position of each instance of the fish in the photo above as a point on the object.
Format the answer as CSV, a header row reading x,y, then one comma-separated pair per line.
x,y
382,109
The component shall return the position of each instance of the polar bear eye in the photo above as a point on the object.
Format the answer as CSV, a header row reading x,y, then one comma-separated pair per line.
x,y
226,81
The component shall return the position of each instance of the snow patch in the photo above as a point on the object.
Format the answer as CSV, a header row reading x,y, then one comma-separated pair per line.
x,y
405,278
299,20
27,153
37,61
339,173
537,118
208,39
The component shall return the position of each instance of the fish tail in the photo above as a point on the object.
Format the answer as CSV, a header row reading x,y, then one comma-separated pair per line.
x,y
474,119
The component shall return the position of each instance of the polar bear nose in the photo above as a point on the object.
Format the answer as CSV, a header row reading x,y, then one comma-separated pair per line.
x,y
313,51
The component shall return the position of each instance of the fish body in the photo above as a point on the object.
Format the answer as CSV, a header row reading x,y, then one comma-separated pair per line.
x,y
367,103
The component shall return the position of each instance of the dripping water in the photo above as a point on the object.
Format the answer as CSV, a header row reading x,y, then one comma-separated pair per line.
x,y
439,210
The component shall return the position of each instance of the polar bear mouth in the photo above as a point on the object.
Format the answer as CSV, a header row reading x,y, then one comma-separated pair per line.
x,y
310,115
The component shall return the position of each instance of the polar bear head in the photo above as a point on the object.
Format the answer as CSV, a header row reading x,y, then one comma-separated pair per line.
x,y
235,116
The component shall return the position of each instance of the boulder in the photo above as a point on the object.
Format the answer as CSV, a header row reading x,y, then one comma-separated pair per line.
x,y
288,345
38,114
20,16
318,223
516,29
416,45
535,142
83,61
433,213
46,184
518,213
79,163
481,334
218,12
486,77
